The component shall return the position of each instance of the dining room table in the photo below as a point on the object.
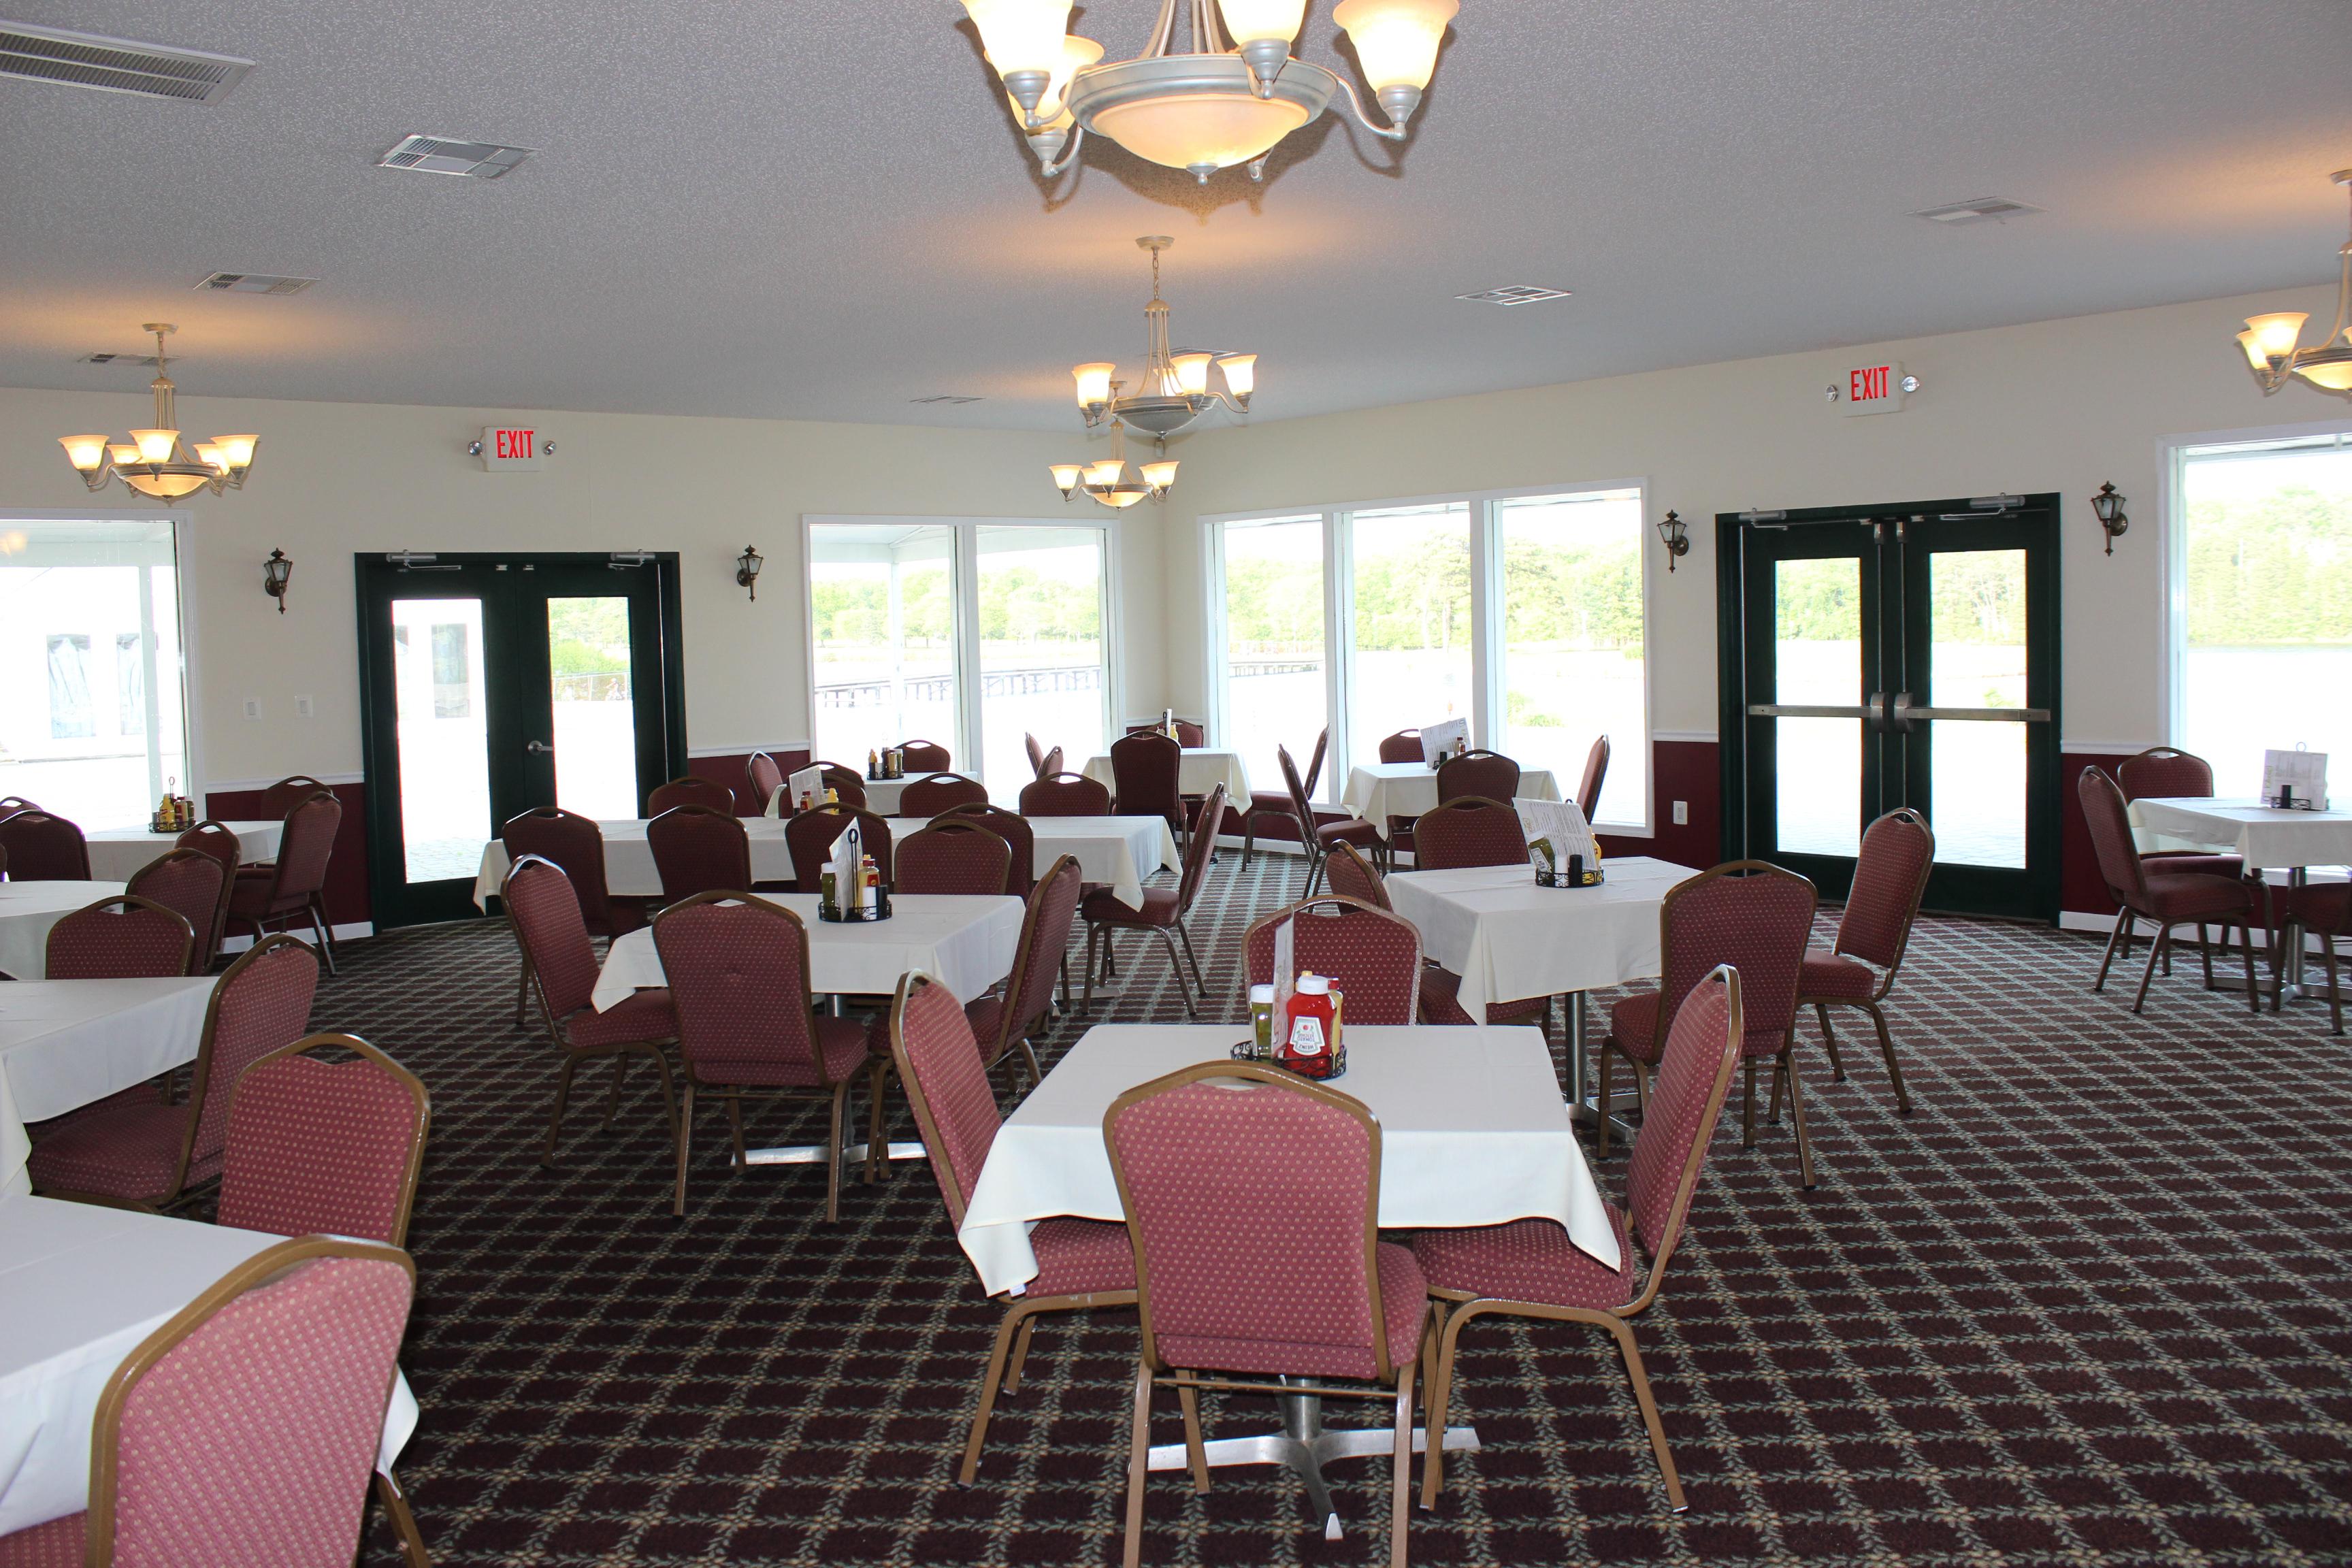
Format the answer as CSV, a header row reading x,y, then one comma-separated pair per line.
x,y
119,852
1120,852
1473,1132
1200,770
28,910
2266,837
629,870
1510,939
66,1043
881,796
1377,792
81,1287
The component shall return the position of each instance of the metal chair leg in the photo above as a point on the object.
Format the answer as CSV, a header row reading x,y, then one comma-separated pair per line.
x,y
1829,1039
555,1116
1138,1458
403,1522
2159,949
1886,1050
2125,921
1797,1114
1198,982
613,1097
685,1148
1176,970
1635,1374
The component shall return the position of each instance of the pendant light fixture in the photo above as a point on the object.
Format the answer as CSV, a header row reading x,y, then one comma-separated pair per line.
x,y
155,463
2273,342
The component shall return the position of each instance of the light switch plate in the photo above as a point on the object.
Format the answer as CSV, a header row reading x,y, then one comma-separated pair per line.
x,y
301,708
1682,814
252,707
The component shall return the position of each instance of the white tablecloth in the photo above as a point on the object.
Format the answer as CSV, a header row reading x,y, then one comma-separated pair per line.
x,y
1120,851
28,910
80,1286
1379,790
629,870
965,942
1203,769
881,796
1473,1131
65,1043
118,852
1510,939
2262,834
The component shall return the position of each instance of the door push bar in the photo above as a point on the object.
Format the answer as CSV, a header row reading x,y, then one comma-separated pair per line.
x,y
1897,714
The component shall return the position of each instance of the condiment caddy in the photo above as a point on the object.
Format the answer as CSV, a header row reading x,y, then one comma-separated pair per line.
x,y
1304,1034
870,900
174,813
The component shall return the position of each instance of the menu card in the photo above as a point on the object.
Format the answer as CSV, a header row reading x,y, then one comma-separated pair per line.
x,y
809,781
1437,740
848,864
1562,822
2301,772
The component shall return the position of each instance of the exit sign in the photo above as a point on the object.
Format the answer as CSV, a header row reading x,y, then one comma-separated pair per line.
x,y
1870,389
510,449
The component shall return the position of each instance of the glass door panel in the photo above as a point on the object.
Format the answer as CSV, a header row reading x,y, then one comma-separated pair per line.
x,y
1043,670
595,719
1275,690
1411,663
882,607
441,699
1976,659
1817,662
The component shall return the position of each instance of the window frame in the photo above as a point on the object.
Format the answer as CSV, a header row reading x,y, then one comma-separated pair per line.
x,y
965,555
1488,642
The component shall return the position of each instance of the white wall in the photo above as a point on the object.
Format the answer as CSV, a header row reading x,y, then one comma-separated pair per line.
x,y
332,479
2056,406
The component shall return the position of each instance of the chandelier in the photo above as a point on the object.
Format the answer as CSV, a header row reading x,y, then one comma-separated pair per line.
x,y
2273,342
154,463
1226,101
1174,391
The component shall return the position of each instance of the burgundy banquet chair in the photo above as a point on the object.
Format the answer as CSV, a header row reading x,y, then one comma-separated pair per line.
x,y
930,796
2166,897
1596,772
41,848
698,850
924,757
1163,910
2324,910
1467,833
1145,769
1890,878
1404,746
1371,956
1018,1006
2168,773
765,775
287,794
708,793
1322,829
1469,830
194,885
125,937
1020,841
294,885
316,1147
1036,755
809,838
576,845
1281,805
1065,795
952,857
1488,774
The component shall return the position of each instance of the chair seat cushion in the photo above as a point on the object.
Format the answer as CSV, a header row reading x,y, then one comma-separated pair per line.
x,y
1528,1260
1440,991
2188,897
129,1152
249,895
56,1544
645,1016
1405,1305
1076,1257
1633,1026
1355,830
2175,862
1105,908
843,1044
1272,800
147,1093
2320,906
1834,977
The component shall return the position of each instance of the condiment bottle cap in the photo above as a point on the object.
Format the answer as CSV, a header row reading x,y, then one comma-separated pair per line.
x,y
1261,994
1313,984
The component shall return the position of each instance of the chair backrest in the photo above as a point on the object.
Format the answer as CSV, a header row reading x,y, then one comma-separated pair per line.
x,y
287,794
1052,764
245,1428
1346,873
195,886
545,913
699,849
43,849
328,1147
260,1003
1251,1210
952,857
306,846
691,791
739,976
1187,733
1314,765
947,1085
1372,957
847,784
10,805
809,836
1200,849
1596,772
1404,746
2162,772
1890,878
217,839
765,775
1064,794
924,757
122,938
1145,769
2109,820
1488,774
573,842
1301,807
1703,1046
1036,755
935,793
1468,831
1020,839
1755,917
1046,926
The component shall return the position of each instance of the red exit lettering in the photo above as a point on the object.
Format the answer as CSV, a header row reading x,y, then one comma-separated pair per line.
x,y
1867,385
513,443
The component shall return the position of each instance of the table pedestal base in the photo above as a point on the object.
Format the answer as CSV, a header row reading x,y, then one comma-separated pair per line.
x,y
1304,1445
813,1154
1584,1108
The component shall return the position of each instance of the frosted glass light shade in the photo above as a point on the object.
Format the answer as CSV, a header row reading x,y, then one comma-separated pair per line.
x,y
1196,131
1192,373
1241,374
1159,476
87,453
2250,341
1105,472
155,445
165,487
122,453
237,449
1123,499
1020,34
1254,21
1066,476
2275,335
209,454
2335,374
1396,40
1094,382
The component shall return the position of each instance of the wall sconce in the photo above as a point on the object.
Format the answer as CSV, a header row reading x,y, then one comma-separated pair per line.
x,y
274,571
747,569
2108,508
1676,538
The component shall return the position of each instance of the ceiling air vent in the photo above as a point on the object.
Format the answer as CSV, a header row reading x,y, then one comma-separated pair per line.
x,y
117,65
1514,294
255,283
104,358
447,155
947,397
1977,210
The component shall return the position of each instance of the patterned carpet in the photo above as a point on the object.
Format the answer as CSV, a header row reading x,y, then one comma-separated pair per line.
x,y
2088,1305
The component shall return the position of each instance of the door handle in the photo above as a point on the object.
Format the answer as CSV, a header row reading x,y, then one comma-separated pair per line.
x,y
1806,710
1877,706
539,748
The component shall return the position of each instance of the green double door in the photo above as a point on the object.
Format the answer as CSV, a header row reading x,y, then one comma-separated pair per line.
x,y
492,684
1889,657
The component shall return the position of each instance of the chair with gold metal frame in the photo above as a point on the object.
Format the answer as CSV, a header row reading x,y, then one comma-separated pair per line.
x,y
327,1148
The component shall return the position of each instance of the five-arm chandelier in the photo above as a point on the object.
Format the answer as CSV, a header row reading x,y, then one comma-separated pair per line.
x,y
2273,343
1227,100
155,463
1173,393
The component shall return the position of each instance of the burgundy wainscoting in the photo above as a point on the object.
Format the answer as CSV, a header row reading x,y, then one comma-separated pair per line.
x,y
2080,888
347,871
1687,770
734,770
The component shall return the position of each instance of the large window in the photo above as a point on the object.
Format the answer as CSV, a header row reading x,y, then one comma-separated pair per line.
x,y
93,723
1523,614
973,634
2262,607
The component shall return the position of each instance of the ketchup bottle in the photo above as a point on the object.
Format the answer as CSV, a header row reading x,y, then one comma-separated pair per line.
x,y
1310,1031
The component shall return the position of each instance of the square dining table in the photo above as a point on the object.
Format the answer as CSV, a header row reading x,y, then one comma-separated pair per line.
x,y
28,910
629,870
117,852
1200,770
65,1043
2268,837
1379,790
1119,851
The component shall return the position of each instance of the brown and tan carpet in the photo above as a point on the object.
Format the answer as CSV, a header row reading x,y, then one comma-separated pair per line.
x,y
2090,1304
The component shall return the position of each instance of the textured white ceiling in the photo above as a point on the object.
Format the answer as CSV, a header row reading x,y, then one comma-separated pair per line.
x,y
821,208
